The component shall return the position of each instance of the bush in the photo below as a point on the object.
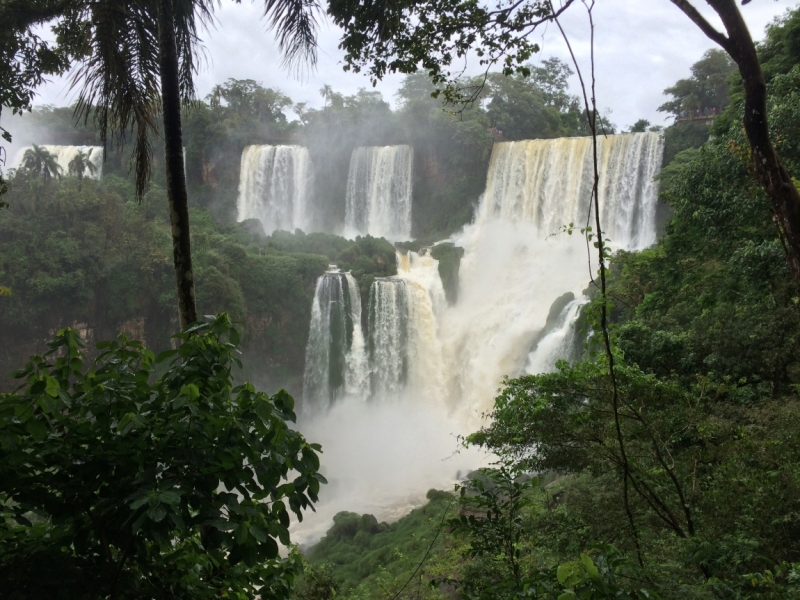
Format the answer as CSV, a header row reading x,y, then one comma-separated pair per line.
x,y
114,484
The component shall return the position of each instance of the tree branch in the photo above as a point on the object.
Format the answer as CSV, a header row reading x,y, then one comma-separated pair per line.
x,y
706,27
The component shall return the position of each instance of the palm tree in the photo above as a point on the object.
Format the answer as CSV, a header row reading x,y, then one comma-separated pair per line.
x,y
41,163
81,163
141,60
326,92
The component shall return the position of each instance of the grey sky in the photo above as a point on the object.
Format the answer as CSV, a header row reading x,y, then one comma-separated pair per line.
x,y
642,47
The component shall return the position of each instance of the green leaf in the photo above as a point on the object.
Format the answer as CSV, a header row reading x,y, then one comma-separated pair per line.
x,y
240,535
37,429
191,391
221,524
564,572
588,564
23,412
162,356
157,513
272,548
263,409
169,497
140,502
258,533
52,387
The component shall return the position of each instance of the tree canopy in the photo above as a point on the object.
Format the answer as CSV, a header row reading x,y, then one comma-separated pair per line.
x,y
706,89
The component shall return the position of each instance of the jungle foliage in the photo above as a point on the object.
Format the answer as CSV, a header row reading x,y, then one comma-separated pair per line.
x,y
85,252
117,484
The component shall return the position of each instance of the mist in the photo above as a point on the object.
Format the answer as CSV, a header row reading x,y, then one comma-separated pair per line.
x,y
381,457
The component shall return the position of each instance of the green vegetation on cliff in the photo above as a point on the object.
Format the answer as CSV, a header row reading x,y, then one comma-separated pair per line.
x,y
84,252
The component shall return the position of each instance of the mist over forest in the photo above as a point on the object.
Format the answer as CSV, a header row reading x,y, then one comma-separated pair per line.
x,y
472,342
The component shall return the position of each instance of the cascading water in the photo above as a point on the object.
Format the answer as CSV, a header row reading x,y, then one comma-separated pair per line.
x,y
403,327
517,260
559,343
65,154
274,186
388,335
379,189
440,365
336,363
548,183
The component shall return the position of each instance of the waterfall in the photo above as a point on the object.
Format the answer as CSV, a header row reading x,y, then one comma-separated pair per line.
x,y
379,187
65,154
403,322
549,182
357,366
435,368
388,335
560,343
518,263
336,363
518,260
274,187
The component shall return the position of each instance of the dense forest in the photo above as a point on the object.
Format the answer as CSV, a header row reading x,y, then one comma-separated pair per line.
x,y
661,464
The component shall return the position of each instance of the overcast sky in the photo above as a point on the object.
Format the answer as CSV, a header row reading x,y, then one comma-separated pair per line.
x,y
641,47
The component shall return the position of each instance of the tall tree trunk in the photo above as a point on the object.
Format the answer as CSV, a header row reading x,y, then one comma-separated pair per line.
x,y
776,182
176,174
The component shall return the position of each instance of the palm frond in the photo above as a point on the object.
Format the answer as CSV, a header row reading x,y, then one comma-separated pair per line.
x,y
119,78
295,25
189,15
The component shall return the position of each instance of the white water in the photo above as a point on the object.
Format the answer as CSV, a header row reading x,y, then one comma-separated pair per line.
x,y
379,187
517,262
388,319
274,184
560,342
391,449
336,362
548,183
65,154
356,365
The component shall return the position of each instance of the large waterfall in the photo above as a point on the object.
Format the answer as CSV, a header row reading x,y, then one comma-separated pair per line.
x,y
274,186
388,337
65,154
549,182
435,368
336,363
403,327
518,262
379,187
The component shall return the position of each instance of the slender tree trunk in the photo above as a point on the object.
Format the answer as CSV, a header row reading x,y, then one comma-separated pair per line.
x,y
176,174
776,182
